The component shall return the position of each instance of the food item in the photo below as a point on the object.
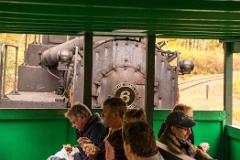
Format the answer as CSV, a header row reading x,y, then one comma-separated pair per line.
x,y
68,147
205,146
90,149
83,140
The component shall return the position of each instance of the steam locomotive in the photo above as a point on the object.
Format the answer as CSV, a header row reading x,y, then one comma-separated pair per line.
x,y
52,73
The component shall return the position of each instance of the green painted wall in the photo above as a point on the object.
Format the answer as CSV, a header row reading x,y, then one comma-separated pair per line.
x,y
27,134
32,134
233,143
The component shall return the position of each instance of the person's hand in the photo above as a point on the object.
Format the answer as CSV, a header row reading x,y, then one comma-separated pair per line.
x,y
68,147
205,146
83,140
90,149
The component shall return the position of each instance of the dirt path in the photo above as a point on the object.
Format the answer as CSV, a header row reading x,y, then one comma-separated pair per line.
x,y
201,98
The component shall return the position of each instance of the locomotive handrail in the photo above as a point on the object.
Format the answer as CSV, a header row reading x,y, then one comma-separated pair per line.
x,y
4,54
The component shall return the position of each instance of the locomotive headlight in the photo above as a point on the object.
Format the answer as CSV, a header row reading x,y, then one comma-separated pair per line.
x,y
65,55
186,66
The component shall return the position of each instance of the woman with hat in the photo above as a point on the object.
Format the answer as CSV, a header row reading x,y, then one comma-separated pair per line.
x,y
176,134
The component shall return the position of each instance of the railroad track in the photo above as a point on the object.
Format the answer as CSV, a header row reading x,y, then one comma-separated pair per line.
x,y
198,81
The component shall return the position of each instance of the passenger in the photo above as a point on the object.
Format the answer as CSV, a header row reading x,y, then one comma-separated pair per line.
x,y
139,142
90,131
113,111
175,136
188,111
133,115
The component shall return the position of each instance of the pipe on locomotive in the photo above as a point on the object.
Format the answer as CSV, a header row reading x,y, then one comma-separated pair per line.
x,y
60,53
64,52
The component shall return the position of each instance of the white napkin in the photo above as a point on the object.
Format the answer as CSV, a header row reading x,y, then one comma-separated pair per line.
x,y
64,154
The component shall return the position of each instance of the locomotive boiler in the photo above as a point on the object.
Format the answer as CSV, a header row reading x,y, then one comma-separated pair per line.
x,y
52,73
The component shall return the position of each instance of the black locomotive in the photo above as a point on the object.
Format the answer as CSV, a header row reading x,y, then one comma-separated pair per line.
x,y
52,73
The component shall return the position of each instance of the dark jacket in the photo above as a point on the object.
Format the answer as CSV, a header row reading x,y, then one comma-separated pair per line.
x,y
116,141
163,126
96,132
175,145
